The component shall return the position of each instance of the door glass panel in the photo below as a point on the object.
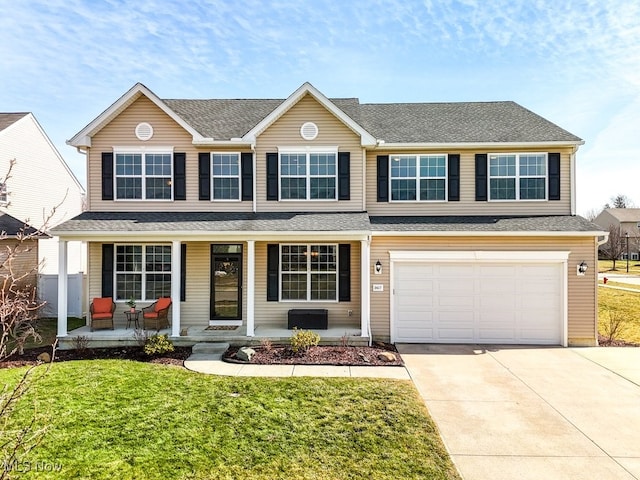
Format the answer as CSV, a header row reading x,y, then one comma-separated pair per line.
x,y
226,248
226,287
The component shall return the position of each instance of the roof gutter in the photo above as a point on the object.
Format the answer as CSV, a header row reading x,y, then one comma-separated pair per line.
x,y
468,233
382,145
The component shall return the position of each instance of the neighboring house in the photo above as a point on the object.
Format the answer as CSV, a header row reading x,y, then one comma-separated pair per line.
x,y
18,253
446,222
40,181
628,219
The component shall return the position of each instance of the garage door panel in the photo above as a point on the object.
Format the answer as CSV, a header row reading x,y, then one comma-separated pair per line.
x,y
479,302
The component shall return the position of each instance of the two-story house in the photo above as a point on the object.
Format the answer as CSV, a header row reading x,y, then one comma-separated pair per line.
x,y
445,222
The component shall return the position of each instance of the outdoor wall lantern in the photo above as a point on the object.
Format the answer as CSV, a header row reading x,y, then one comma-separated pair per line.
x,y
378,268
582,268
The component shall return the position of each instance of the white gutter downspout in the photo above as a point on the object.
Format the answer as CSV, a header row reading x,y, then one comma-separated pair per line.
x,y
573,181
364,181
254,168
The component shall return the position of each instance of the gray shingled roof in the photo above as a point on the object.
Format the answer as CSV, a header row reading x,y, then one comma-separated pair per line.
x,y
11,226
560,223
232,118
625,214
318,222
214,222
466,122
7,119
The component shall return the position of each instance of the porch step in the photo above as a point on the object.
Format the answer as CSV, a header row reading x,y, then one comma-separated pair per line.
x,y
210,348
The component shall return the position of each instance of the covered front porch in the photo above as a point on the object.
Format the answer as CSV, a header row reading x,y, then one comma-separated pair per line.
x,y
225,285
125,337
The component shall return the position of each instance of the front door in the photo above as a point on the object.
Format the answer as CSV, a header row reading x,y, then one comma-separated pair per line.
x,y
226,282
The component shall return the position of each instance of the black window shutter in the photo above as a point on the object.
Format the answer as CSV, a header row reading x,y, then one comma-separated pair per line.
x,y
107,269
273,263
454,177
183,272
344,168
481,177
383,178
247,175
179,176
272,176
344,274
554,176
107,175
204,175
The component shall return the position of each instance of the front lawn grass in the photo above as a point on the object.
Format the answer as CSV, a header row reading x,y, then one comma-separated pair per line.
x,y
605,266
627,304
120,419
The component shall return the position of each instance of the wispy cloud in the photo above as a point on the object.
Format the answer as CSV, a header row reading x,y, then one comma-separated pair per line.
x,y
577,61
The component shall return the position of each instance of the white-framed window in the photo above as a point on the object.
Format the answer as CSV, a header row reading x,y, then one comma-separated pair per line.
x,y
142,272
518,176
308,173
4,197
418,178
308,272
143,174
225,181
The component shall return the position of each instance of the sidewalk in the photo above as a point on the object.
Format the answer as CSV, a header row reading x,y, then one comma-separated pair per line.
x,y
204,364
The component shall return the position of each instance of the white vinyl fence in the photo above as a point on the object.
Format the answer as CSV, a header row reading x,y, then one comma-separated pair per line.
x,y
48,291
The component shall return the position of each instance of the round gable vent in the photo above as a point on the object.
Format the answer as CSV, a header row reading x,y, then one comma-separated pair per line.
x,y
309,131
144,131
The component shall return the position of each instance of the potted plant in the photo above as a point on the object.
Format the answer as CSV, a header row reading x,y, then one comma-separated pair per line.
x,y
132,304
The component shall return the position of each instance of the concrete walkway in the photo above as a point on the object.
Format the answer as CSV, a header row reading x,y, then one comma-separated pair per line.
x,y
204,364
533,413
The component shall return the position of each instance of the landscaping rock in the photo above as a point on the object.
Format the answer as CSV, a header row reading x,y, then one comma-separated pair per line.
x,y
386,357
44,357
245,354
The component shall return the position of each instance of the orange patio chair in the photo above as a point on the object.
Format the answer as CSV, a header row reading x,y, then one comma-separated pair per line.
x,y
101,310
156,315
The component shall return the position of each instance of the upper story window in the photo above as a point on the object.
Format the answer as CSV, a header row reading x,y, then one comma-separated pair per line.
x,y
4,197
308,174
225,184
418,177
143,175
518,176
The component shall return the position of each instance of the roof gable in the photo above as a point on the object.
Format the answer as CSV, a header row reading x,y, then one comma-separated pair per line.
x,y
307,89
624,214
83,137
8,119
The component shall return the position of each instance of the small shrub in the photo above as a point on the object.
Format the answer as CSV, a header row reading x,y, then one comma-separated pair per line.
x,y
157,345
141,336
301,340
266,345
614,325
81,343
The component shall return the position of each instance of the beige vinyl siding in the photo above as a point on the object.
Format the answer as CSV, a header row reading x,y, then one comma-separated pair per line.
x,y
275,313
582,298
285,132
24,261
120,132
467,204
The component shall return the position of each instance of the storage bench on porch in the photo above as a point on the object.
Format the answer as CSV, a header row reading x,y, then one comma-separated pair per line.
x,y
314,318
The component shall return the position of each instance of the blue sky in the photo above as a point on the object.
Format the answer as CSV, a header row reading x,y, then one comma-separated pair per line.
x,y
576,63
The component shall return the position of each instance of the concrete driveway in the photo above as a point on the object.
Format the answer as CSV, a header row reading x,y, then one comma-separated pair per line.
x,y
533,413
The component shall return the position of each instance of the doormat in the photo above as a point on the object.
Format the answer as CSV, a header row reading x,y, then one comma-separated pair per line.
x,y
222,327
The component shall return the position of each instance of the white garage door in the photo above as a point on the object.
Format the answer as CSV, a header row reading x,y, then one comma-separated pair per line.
x,y
482,302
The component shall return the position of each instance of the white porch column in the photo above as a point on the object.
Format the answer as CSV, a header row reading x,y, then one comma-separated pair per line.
x,y
62,288
175,288
365,287
251,286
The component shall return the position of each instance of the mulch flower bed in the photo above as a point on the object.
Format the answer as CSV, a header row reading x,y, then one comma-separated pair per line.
x,y
319,355
30,357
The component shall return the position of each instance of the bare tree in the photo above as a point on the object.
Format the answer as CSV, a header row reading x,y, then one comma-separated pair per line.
x,y
620,201
592,213
613,249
